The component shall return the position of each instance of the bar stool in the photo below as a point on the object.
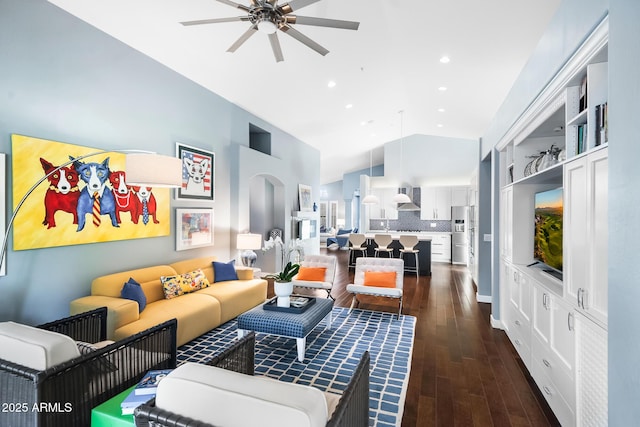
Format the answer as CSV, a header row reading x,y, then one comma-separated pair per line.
x,y
357,245
383,241
408,242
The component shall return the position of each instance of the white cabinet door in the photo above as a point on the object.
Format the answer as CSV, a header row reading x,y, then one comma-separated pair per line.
x,y
460,196
541,323
586,234
390,207
435,203
506,223
591,373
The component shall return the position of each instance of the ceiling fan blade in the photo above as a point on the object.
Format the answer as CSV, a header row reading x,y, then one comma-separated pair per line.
x,y
216,20
236,5
243,38
295,5
322,22
303,39
275,46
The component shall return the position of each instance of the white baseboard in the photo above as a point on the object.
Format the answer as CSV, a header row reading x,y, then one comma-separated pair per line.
x,y
483,298
495,323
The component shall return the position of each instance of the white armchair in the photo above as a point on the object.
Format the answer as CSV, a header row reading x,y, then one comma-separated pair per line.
x,y
368,279
312,262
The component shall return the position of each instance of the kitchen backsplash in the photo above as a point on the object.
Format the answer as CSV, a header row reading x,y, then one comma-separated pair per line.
x,y
410,221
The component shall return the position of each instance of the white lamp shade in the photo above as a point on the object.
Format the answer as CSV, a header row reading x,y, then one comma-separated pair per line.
x,y
371,200
153,170
401,198
249,241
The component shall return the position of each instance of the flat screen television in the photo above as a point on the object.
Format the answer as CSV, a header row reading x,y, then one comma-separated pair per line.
x,y
547,238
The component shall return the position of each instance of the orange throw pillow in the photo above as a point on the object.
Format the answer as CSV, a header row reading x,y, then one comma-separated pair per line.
x,y
312,274
381,279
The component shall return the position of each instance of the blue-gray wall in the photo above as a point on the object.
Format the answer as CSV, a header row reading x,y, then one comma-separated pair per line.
x,y
63,80
624,214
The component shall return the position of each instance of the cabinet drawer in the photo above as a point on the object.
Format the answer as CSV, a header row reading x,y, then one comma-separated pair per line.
x,y
520,336
562,410
554,370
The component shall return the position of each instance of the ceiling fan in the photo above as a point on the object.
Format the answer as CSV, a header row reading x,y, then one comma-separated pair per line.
x,y
268,17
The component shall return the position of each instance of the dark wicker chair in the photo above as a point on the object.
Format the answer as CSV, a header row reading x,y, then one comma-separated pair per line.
x,y
352,409
64,395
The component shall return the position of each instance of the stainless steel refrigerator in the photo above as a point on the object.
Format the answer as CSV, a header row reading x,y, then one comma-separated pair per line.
x,y
459,235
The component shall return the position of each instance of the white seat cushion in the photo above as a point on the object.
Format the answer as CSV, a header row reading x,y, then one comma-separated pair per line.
x,y
35,348
225,398
373,290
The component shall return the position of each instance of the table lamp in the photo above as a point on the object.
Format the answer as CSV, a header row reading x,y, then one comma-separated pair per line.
x,y
246,242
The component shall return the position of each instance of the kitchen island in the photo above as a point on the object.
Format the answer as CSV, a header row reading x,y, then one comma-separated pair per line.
x,y
424,246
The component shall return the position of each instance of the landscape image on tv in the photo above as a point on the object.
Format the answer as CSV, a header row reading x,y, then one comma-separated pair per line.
x,y
547,240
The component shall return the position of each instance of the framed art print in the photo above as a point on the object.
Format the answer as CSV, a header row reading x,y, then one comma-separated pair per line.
x,y
198,173
194,228
304,197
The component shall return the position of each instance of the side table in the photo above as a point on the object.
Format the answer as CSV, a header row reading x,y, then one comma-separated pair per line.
x,y
109,413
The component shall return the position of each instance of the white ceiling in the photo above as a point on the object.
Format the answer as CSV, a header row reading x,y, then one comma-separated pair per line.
x,y
390,64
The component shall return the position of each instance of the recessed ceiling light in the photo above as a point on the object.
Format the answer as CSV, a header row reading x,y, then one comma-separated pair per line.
x,y
331,84
441,110
373,135
440,125
348,106
442,88
445,59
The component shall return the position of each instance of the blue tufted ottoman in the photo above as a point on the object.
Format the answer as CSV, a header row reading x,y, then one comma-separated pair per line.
x,y
290,325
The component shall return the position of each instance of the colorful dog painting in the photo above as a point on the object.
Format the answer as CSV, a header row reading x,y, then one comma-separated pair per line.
x,y
146,205
123,195
94,199
62,194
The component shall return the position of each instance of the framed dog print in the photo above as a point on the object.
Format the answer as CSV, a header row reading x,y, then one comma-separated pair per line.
x,y
304,197
86,201
198,173
194,228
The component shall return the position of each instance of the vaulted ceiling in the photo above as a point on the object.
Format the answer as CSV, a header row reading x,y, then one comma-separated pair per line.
x,y
391,63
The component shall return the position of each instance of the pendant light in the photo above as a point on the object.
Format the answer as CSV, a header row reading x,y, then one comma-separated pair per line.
x,y
401,197
370,199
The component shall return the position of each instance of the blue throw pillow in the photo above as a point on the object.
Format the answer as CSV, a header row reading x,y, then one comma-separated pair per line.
x,y
133,291
223,271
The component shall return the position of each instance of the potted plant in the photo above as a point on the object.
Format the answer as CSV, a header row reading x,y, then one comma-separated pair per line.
x,y
282,285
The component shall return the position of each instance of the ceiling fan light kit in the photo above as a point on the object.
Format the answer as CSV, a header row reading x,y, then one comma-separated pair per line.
x,y
268,17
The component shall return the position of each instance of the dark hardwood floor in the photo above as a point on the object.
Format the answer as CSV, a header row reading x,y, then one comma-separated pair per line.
x,y
463,371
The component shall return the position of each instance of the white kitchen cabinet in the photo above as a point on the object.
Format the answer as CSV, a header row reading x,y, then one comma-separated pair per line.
x,y
586,234
440,247
460,196
386,208
435,203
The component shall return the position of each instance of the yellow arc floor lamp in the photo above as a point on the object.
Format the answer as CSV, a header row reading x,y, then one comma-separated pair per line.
x,y
143,168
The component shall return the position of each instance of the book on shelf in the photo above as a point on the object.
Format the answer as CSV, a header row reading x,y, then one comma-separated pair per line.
x,y
149,383
583,94
601,123
133,400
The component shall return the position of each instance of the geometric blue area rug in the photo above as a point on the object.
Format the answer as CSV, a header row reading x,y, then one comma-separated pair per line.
x,y
331,357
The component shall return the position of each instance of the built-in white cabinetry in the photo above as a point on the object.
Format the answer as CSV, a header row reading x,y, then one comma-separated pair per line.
x,y
435,203
386,208
586,233
591,373
506,223
460,196
558,325
518,311
553,351
440,247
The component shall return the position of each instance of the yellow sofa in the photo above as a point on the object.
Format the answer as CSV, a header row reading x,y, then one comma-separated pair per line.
x,y
196,312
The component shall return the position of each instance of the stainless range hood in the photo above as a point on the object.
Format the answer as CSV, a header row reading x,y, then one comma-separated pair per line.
x,y
414,195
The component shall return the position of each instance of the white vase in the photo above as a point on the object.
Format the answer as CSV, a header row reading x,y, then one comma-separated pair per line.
x,y
283,291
